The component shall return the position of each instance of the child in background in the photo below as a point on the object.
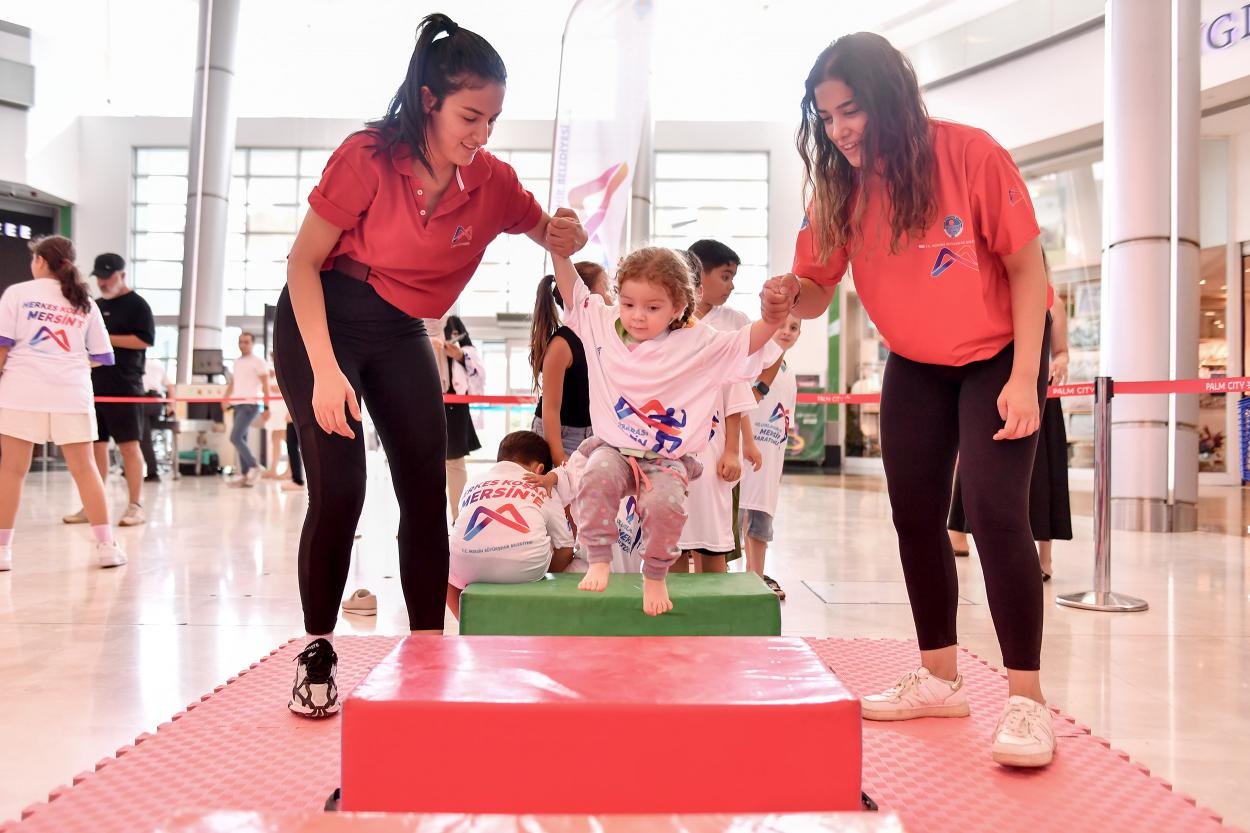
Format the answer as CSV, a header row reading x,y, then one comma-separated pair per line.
x,y
653,386
508,531
770,423
708,537
51,333
558,359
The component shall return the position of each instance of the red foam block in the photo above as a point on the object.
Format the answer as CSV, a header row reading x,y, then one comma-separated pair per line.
x,y
508,724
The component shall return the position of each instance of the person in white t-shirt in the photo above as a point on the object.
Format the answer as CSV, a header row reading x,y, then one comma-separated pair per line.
x,y
777,391
509,529
51,333
654,379
249,386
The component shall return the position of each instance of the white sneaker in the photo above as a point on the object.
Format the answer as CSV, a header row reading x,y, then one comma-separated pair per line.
x,y
134,516
79,517
292,486
109,554
362,603
6,558
917,694
1024,736
253,477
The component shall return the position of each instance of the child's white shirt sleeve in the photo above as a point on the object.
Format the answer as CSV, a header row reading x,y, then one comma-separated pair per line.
x,y
96,339
8,319
557,525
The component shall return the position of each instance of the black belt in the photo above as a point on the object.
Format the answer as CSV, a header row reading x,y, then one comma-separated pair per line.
x,y
351,268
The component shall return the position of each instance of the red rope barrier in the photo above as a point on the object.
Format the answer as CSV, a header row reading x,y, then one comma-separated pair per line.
x,y
1232,384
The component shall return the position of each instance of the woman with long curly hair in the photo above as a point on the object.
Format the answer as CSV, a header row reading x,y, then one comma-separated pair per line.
x,y
936,222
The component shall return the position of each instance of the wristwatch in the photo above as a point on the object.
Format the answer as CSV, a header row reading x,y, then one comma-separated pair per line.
x,y
761,386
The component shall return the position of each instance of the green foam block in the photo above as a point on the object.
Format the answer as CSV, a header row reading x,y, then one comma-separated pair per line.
x,y
708,604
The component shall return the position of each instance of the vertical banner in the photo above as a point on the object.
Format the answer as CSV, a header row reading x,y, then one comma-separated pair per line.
x,y
601,113
806,442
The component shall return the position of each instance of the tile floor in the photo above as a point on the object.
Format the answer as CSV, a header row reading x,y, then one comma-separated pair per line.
x,y
92,658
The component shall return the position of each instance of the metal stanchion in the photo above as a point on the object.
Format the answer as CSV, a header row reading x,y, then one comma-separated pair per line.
x,y
1101,597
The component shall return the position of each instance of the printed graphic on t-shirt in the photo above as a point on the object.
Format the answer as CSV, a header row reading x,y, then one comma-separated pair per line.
x,y
656,418
58,336
952,225
503,489
508,515
776,430
462,236
964,254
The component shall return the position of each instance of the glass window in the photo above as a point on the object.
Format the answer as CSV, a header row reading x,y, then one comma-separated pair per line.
x,y
719,195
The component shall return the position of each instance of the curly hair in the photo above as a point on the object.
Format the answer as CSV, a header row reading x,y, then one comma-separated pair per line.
x,y
897,146
667,269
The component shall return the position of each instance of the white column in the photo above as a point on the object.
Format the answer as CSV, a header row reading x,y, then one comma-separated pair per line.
x,y
1150,264
202,316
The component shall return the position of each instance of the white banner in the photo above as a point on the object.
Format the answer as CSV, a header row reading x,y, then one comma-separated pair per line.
x,y
605,87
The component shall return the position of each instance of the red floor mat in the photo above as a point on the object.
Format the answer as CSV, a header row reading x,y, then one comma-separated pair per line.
x,y
238,748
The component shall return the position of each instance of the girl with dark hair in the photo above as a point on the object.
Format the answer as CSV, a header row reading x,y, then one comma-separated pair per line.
x,y
558,359
937,223
461,372
51,334
399,223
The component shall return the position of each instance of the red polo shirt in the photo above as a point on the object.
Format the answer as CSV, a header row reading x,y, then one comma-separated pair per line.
x,y
944,298
419,262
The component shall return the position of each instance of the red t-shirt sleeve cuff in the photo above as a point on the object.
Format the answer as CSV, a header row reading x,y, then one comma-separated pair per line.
x,y
533,213
808,263
330,212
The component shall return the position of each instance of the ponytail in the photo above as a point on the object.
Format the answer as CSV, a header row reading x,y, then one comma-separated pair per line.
x,y
444,66
58,252
546,322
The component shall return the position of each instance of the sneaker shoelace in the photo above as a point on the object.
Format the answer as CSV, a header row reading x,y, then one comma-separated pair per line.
x,y
906,682
318,660
1019,721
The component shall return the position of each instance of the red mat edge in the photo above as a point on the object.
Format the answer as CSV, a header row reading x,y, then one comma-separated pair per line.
x,y
1080,728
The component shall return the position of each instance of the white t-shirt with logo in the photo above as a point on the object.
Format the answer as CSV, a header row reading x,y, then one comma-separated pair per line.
x,y
658,397
249,374
51,347
772,421
503,518
709,503
725,318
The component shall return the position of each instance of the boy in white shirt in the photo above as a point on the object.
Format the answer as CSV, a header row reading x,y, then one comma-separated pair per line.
x,y
250,383
777,391
509,530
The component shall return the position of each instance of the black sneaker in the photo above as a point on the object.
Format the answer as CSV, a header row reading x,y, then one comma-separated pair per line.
x,y
775,587
314,694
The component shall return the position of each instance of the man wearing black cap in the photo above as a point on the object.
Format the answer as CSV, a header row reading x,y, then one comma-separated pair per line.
x,y
132,330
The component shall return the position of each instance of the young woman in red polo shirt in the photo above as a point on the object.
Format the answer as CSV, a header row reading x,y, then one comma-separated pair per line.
x,y
937,226
399,222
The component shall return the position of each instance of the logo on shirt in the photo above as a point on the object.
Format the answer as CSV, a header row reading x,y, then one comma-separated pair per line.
x,y
946,258
507,515
664,421
1013,195
715,422
462,236
58,336
952,225
780,413
803,224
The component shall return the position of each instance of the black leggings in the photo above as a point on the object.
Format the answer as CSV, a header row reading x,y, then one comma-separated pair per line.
x,y
930,413
385,355
292,454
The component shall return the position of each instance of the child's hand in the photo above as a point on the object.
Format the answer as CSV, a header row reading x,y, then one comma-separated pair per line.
x,y
751,453
729,468
777,298
546,481
565,235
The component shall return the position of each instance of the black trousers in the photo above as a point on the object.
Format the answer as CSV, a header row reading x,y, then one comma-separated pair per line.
x,y
387,357
292,454
929,414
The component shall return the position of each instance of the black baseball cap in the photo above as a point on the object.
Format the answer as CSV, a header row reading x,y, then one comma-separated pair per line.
x,y
108,263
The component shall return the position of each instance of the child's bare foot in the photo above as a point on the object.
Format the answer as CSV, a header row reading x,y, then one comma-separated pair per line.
x,y
596,577
655,597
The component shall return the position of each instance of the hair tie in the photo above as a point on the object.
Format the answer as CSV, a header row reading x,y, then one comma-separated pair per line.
x,y
452,27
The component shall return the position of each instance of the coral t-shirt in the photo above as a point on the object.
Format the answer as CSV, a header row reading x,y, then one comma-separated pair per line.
x,y
419,259
944,298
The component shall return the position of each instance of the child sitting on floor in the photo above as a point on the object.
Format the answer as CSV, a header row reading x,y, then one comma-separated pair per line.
x,y
508,531
653,385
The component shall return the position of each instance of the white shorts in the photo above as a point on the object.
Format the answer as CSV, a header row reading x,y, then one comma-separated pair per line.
x,y
464,570
42,427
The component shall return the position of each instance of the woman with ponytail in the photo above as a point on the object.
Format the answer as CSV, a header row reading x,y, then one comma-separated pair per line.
x,y
400,219
558,360
51,333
